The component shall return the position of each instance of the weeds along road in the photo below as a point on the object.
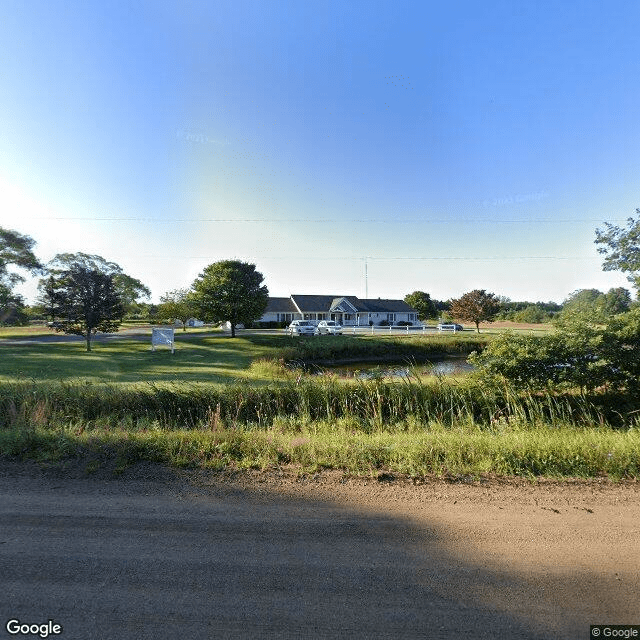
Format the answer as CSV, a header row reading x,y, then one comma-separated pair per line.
x,y
160,554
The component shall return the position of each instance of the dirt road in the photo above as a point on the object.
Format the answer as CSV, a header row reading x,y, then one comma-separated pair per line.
x,y
160,554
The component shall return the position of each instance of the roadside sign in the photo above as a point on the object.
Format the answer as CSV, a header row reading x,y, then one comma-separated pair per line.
x,y
162,336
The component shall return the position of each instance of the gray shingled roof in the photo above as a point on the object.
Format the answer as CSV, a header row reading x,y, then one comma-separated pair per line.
x,y
388,306
280,305
312,304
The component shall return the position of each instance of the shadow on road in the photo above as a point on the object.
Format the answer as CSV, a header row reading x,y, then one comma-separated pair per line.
x,y
152,555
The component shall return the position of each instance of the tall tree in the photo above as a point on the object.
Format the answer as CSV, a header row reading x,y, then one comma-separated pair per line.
x,y
178,305
15,250
476,306
230,291
48,297
591,306
621,248
422,303
129,289
88,302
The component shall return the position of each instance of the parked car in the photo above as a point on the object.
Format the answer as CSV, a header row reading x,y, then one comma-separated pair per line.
x,y
450,327
301,328
328,327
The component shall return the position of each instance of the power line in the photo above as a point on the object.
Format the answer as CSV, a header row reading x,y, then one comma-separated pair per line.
x,y
323,220
376,258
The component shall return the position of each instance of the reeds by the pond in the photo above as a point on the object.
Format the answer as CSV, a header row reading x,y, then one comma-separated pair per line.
x,y
373,405
411,427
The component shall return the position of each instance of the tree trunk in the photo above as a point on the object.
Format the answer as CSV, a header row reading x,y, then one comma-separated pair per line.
x,y
233,329
88,340
477,326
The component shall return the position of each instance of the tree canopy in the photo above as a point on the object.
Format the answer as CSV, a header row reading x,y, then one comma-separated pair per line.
x,y
422,303
129,289
15,250
621,248
178,304
476,306
592,306
88,301
230,291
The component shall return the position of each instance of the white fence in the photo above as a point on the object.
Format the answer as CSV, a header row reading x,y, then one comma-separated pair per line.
x,y
390,329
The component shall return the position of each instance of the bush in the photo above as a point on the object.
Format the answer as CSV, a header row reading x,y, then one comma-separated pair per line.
x,y
580,354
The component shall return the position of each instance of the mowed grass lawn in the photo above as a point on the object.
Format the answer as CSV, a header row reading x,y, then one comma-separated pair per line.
x,y
127,360
198,358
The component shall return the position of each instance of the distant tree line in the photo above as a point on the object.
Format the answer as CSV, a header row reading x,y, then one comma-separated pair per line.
x,y
82,294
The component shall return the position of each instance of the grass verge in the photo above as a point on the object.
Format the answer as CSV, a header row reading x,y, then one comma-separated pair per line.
x,y
412,428
306,448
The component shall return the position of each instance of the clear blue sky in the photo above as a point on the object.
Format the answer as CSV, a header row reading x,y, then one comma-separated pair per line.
x,y
442,147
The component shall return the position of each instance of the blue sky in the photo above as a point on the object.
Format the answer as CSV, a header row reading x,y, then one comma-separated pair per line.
x,y
343,147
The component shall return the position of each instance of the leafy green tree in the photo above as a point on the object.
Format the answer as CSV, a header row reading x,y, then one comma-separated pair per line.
x,y
48,297
616,300
558,358
476,306
422,303
15,250
130,289
230,291
621,248
593,306
531,314
178,305
12,307
89,301
621,348
581,304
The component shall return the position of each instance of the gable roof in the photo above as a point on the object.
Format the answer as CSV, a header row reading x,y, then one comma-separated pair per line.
x,y
280,305
389,306
323,304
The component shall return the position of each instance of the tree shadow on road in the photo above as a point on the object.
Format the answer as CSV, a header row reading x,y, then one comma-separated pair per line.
x,y
160,554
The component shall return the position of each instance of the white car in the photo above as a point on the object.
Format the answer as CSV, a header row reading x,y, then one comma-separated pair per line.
x,y
330,327
301,328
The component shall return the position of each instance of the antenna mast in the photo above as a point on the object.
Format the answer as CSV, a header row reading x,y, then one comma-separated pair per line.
x,y
366,280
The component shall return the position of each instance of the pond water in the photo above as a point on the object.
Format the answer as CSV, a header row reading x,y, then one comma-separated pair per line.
x,y
366,370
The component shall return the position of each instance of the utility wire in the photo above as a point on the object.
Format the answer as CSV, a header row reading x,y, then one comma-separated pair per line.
x,y
323,221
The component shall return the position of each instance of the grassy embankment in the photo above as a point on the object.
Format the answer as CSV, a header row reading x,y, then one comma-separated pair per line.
x,y
220,403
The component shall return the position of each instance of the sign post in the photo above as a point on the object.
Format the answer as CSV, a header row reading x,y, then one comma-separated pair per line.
x,y
162,336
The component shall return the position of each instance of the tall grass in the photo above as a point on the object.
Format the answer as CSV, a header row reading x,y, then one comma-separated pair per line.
x,y
373,404
414,426
308,447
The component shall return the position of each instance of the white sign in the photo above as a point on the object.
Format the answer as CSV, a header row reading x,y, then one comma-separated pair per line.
x,y
162,336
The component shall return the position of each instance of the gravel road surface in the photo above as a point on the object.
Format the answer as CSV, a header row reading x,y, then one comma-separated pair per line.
x,y
155,553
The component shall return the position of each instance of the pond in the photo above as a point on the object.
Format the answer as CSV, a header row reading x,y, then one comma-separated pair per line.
x,y
366,370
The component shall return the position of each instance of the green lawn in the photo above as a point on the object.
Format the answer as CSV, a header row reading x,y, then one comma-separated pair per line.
x,y
221,402
196,359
